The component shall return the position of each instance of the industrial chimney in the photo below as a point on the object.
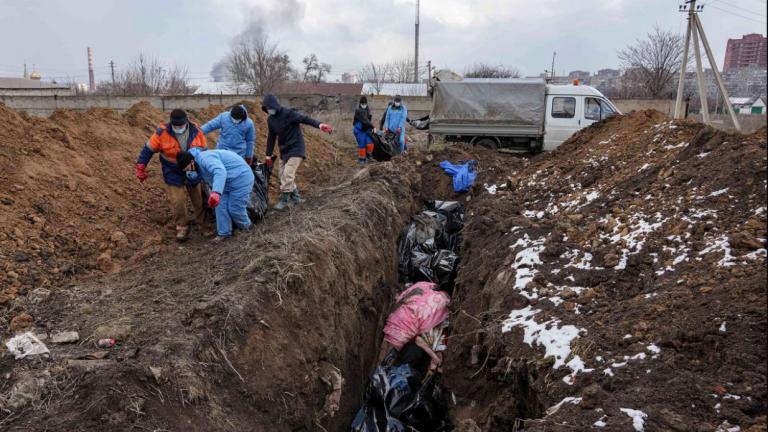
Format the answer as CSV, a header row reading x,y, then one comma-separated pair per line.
x,y
91,80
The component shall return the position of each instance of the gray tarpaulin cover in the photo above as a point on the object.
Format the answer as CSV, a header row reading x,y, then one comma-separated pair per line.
x,y
519,102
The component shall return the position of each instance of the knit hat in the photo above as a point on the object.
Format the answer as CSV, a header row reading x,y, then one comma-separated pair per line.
x,y
178,117
238,112
183,159
397,98
363,100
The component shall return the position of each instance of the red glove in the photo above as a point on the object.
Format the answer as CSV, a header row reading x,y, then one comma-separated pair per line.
x,y
249,161
398,130
141,172
268,161
214,199
326,128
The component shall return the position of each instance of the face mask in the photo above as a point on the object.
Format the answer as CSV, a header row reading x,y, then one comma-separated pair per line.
x,y
236,121
179,130
363,106
271,111
397,104
192,175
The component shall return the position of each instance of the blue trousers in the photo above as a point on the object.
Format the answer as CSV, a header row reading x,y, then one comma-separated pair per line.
x,y
234,200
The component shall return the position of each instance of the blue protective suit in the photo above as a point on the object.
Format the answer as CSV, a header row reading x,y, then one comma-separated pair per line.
x,y
228,174
463,175
395,119
239,138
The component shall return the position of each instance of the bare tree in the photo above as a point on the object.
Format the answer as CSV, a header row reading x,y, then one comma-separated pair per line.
x,y
401,71
484,70
375,74
146,76
314,71
654,62
257,63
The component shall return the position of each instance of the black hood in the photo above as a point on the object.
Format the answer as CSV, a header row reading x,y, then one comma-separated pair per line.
x,y
270,102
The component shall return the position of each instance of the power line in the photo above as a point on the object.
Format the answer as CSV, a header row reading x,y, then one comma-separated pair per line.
x,y
738,7
737,15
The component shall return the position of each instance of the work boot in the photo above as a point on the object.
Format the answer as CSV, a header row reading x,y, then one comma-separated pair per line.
x,y
296,198
181,233
283,202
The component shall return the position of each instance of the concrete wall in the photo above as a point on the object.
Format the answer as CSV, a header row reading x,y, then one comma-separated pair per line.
x,y
36,92
45,105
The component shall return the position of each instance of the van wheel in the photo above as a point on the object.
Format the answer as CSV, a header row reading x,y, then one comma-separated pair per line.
x,y
488,143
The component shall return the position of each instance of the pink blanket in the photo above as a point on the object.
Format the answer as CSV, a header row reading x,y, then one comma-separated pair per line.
x,y
418,310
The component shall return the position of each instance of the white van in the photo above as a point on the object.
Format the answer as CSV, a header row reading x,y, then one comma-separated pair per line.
x,y
515,114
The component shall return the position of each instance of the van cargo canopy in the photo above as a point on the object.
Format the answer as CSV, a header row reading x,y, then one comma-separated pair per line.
x,y
518,102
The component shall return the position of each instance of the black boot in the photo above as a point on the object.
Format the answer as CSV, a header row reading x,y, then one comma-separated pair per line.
x,y
284,197
296,198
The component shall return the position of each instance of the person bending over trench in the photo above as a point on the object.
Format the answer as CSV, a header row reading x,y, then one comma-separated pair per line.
x,y
179,134
284,126
231,182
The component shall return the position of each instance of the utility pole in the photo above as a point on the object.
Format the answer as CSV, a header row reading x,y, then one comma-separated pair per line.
x,y
696,29
91,80
112,67
554,53
416,51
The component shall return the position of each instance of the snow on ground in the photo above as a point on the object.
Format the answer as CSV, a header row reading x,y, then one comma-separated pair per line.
x,y
491,189
555,339
638,418
637,229
571,400
526,261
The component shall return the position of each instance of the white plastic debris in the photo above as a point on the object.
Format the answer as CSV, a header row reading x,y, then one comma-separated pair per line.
x,y
24,345
572,400
638,418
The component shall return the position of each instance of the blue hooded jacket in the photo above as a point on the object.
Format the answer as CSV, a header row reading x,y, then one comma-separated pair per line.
x,y
222,169
396,118
239,138
285,127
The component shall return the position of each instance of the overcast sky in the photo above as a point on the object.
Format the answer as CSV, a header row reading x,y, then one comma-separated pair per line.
x,y
54,34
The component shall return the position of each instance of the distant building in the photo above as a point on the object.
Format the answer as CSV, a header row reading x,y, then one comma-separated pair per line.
x,y
748,51
33,87
582,76
289,88
743,105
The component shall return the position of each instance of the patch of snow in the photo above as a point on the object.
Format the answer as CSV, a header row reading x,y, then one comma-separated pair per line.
x,y
627,336
608,371
638,418
718,192
618,365
645,166
569,400
576,365
530,214
653,348
731,396
702,155
600,423
555,339
491,189
722,327
672,147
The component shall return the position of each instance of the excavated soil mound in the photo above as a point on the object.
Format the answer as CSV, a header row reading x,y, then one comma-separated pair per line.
x,y
273,330
617,282
70,205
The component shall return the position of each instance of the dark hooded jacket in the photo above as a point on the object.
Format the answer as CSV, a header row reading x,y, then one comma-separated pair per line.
x,y
363,116
285,127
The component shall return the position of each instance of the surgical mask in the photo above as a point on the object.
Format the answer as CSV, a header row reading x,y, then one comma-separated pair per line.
x,y
236,121
397,104
271,111
191,175
363,106
179,130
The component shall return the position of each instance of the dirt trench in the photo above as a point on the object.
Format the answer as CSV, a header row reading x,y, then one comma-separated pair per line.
x,y
254,334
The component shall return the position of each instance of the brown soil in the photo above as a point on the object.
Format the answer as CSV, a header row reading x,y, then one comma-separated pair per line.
x,y
255,333
671,287
69,204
